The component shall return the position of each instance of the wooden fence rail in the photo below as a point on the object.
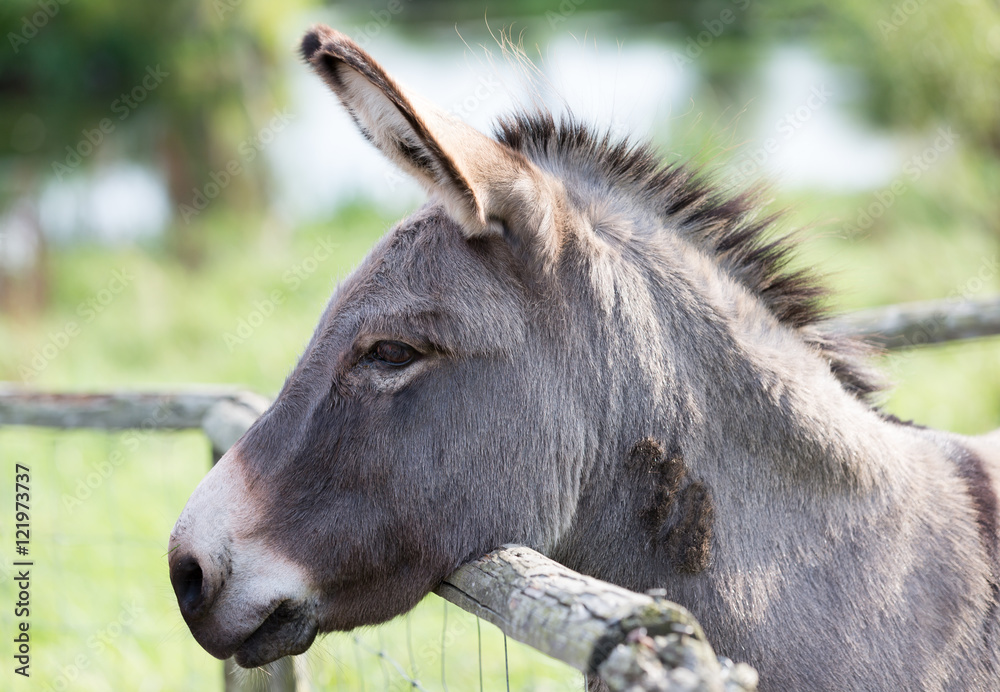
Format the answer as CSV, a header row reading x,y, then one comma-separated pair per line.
x,y
631,641
909,325
224,414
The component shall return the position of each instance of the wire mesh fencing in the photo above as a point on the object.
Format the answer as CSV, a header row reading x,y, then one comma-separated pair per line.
x,y
99,603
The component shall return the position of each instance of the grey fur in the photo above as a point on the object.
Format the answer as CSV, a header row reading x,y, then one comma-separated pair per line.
x,y
847,551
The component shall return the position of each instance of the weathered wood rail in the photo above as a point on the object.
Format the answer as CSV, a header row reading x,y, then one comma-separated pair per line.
x,y
909,325
222,413
631,641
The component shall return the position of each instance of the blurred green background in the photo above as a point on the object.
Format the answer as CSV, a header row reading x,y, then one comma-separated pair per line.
x,y
178,197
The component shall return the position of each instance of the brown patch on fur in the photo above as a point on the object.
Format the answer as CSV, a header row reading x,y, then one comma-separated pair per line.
x,y
689,542
680,520
668,470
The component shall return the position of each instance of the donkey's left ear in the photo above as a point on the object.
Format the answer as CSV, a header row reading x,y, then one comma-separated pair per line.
x,y
487,187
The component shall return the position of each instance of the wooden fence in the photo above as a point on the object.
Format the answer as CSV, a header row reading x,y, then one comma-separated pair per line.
x,y
909,325
631,641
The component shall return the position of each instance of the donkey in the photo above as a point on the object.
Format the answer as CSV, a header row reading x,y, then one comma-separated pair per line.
x,y
574,347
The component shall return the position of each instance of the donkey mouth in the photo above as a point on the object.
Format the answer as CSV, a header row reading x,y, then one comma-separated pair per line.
x,y
285,632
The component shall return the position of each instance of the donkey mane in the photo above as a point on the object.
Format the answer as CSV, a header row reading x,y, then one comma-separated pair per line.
x,y
726,225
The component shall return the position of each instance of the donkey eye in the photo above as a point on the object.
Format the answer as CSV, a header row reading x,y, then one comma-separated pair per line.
x,y
392,353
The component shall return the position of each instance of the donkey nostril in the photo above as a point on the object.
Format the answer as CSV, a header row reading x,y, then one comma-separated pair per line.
x,y
187,579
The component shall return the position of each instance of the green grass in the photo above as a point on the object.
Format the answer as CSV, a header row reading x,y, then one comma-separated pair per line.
x,y
100,612
100,559
169,324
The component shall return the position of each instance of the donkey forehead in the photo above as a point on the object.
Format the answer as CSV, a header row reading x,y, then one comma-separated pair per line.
x,y
425,279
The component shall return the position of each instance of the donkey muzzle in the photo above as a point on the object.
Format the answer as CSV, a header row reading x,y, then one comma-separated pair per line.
x,y
236,594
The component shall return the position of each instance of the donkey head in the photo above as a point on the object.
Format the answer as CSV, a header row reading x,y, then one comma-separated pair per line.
x,y
430,419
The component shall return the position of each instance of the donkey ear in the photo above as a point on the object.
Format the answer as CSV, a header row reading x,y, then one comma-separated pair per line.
x,y
485,186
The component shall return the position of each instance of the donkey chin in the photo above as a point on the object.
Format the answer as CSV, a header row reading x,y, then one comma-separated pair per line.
x,y
238,598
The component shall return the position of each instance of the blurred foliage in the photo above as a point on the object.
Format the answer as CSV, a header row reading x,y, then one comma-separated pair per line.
x,y
185,81
925,63
936,65
67,67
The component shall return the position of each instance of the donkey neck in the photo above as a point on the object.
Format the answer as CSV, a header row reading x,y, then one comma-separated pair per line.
x,y
813,498
746,390
752,412
771,401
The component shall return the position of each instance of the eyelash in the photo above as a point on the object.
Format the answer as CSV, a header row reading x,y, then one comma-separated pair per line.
x,y
389,352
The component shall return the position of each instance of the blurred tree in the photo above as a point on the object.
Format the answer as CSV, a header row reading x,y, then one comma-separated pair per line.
x,y
692,24
925,63
184,84
179,84
921,65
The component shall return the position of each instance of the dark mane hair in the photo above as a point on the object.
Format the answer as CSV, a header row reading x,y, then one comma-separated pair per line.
x,y
725,224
